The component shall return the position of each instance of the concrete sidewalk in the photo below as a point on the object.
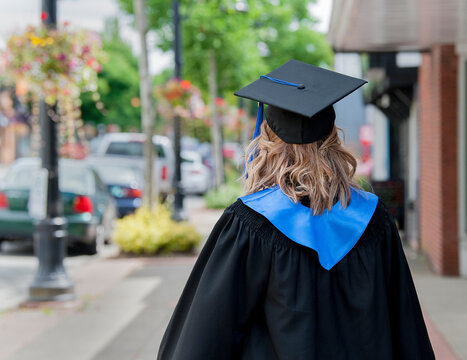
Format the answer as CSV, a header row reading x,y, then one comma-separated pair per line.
x,y
444,301
122,309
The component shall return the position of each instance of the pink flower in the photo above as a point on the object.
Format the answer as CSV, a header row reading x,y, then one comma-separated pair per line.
x,y
219,101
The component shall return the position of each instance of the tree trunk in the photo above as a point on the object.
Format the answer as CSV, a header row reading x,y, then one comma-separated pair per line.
x,y
244,137
216,134
147,111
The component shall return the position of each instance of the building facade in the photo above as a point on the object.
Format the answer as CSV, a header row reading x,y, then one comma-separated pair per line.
x,y
425,104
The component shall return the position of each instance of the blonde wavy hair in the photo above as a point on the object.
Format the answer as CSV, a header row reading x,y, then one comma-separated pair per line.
x,y
321,172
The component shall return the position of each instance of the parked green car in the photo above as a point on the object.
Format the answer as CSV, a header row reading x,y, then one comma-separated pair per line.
x,y
87,205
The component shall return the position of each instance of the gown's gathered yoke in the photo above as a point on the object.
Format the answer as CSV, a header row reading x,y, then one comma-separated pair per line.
x,y
343,226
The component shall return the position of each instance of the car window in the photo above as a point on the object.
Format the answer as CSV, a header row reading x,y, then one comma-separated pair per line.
x,y
72,178
131,148
75,179
187,160
125,148
19,177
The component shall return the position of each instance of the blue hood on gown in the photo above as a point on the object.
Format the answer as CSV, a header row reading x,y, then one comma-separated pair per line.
x,y
332,234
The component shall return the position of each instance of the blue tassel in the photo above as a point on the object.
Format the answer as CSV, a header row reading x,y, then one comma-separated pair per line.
x,y
259,120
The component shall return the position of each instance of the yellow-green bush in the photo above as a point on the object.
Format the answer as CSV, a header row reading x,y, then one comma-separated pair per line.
x,y
154,232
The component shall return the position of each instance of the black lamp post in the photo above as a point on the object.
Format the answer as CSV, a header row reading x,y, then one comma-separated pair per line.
x,y
178,211
51,282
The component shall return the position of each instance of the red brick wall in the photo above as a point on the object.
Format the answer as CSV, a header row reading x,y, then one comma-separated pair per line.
x,y
438,158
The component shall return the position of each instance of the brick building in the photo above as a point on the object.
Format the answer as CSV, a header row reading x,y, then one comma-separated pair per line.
x,y
425,104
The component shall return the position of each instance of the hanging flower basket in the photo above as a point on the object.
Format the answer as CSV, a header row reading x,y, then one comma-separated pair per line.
x,y
178,97
55,63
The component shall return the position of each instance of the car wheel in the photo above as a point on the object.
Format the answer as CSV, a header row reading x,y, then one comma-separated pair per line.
x,y
81,248
90,249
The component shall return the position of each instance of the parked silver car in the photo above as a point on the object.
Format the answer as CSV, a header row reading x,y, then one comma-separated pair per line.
x,y
131,145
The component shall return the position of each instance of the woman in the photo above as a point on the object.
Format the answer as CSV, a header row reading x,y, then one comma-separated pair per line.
x,y
305,265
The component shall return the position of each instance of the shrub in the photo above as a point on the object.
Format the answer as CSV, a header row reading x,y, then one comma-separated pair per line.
x,y
224,196
154,232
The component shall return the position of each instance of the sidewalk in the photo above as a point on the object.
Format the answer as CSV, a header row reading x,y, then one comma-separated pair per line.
x,y
123,307
126,303
444,301
105,301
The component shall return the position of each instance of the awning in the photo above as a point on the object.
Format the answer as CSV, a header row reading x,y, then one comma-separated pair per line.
x,y
396,25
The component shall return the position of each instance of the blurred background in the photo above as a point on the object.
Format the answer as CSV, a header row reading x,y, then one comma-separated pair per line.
x,y
121,143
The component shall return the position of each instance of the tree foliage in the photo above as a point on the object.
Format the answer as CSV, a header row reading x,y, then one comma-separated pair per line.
x,y
285,31
118,84
245,44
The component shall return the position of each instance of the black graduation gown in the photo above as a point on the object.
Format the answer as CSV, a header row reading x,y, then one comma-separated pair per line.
x,y
255,294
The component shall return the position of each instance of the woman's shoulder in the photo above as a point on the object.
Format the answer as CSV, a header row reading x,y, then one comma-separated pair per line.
x,y
382,218
381,228
260,229
246,215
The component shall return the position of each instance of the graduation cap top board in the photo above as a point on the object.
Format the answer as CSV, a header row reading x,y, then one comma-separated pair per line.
x,y
300,98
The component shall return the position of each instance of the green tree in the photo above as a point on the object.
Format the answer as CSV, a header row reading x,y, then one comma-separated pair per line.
x,y
208,26
286,31
118,84
245,44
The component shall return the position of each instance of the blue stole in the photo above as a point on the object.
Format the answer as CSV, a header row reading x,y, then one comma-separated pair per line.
x,y
332,234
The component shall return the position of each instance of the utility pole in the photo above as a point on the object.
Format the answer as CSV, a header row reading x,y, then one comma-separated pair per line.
x,y
51,282
178,211
216,128
147,111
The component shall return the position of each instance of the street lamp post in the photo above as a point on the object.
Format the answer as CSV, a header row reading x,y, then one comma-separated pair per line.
x,y
51,282
178,211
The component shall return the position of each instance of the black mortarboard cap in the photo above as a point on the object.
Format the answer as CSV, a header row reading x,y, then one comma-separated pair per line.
x,y
300,98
